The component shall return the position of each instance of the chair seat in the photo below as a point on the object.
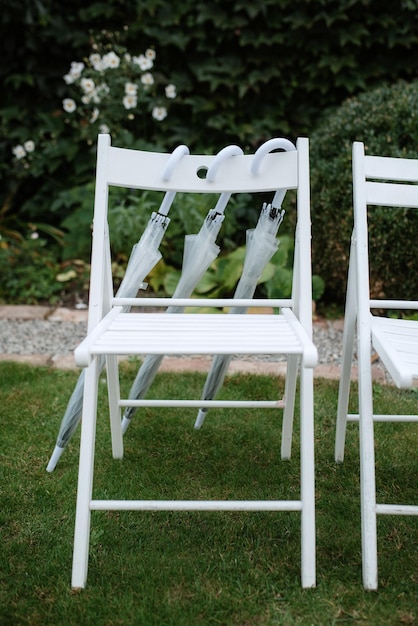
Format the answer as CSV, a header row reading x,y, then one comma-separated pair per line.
x,y
201,333
396,342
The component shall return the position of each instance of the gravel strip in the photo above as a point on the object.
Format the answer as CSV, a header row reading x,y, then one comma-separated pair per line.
x,y
40,336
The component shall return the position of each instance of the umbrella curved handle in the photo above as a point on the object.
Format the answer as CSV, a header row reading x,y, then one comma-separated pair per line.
x,y
174,158
177,154
222,155
272,144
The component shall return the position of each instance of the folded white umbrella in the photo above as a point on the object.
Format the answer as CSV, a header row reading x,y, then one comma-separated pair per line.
x,y
144,256
261,246
200,250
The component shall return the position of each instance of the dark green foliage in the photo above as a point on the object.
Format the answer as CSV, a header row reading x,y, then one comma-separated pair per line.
x,y
385,119
244,71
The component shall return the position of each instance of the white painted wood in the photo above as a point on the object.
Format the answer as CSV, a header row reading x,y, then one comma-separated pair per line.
x,y
196,505
396,509
395,341
143,170
154,333
216,404
202,302
114,331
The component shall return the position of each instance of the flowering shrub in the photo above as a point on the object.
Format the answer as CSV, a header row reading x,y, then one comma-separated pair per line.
x,y
114,90
21,151
111,91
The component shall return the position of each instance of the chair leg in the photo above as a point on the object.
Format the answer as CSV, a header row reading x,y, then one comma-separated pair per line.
x,y
85,477
367,473
344,387
114,409
308,533
347,358
289,409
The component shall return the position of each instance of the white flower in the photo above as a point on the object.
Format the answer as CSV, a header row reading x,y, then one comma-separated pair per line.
x,y
34,235
150,54
111,60
19,151
159,113
97,62
103,128
29,145
127,57
95,115
129,102
143,62
170,91
69,79
87,85
147,79
86,99
76,69
131,89
69,105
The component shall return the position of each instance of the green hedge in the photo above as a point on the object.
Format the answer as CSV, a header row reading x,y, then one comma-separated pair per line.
x,y
243,71
386,120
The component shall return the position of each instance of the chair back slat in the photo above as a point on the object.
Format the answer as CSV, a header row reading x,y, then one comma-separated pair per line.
x,y
390,168
392,194
142,170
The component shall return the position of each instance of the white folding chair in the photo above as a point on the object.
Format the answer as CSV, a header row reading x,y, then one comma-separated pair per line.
x,y
394,340
112,331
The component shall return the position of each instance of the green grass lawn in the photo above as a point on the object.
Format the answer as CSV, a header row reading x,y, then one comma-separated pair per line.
x,y
196,568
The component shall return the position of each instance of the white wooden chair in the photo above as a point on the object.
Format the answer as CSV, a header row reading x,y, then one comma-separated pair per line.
x,y
112,331
394,340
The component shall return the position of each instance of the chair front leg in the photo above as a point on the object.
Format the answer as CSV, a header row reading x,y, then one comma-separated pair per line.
x,y
85,476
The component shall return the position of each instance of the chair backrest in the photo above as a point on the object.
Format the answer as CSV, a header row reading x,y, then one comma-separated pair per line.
x,y
384,182
263,171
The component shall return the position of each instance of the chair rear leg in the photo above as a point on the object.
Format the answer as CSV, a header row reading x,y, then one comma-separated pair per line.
x,y
347,358
344,388
114,409
289,407
85,477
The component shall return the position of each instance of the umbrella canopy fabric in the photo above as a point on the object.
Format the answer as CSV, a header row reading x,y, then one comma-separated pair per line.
x,y
144,256
261,245
200,250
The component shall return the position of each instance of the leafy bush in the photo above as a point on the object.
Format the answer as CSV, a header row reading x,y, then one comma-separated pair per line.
x,y
31,272
386,120
110,91
244,72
